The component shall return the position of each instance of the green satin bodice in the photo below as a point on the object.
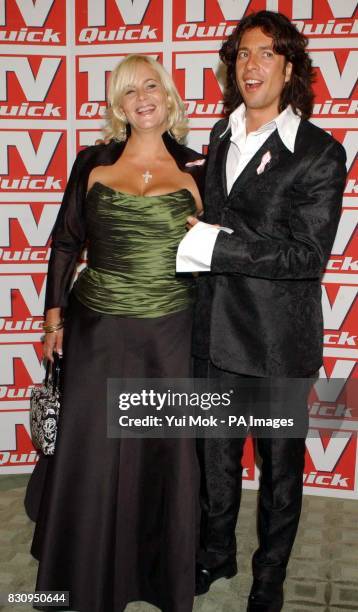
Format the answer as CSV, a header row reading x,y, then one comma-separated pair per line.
x,y
132,248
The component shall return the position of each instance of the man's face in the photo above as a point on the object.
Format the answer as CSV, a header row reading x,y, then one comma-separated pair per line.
x,y
261,73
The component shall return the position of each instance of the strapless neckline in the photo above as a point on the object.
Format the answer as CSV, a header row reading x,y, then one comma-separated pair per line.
x,y
132,246
137,195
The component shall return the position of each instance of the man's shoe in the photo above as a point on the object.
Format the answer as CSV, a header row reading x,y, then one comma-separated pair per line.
x,y
265,597
205,576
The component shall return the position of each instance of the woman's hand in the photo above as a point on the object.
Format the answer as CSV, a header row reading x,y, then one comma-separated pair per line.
x,y
191,221
53,339
53,342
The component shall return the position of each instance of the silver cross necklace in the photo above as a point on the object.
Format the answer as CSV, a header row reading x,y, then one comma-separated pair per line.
x,y
147,176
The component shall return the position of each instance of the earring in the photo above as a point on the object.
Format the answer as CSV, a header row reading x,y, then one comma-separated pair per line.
x,y
120,115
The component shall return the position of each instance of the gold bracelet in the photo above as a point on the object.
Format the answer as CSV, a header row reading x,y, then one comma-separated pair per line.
x,y
49,328
53,331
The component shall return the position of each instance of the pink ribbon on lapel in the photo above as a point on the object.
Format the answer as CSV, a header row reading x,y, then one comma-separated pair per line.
x,y
266,158
197,162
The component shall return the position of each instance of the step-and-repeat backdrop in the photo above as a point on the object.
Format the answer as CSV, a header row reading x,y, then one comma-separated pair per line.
x,y
55,57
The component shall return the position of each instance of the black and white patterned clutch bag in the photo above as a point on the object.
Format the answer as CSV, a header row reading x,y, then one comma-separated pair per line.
x,y
45,408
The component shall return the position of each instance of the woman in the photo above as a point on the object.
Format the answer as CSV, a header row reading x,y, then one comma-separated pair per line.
x,y
116,518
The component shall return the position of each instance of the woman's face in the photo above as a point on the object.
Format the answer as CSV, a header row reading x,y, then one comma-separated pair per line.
x,y
145,101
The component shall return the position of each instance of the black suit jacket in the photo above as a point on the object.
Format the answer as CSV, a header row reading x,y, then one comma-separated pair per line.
x,y
69,232
259,310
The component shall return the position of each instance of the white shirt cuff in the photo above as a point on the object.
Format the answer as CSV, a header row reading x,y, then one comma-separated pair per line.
x,y
195,251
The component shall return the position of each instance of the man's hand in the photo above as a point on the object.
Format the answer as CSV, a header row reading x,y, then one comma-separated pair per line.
x,y
191,221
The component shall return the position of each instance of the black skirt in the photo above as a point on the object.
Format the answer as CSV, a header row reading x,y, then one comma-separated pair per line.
x,y
116,519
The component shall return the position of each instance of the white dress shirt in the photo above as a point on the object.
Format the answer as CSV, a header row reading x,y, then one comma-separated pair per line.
x,y
196,249
244,146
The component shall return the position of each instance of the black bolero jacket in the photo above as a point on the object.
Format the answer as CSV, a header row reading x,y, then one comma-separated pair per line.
x,y
69,232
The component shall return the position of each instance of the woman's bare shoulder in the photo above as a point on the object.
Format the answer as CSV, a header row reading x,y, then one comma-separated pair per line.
x,y
97,175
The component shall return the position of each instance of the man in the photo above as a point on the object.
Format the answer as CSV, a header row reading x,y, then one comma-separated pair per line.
x,y
277,181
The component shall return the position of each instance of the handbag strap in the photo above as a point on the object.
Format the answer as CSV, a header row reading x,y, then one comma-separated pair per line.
x,y
56,369
53,371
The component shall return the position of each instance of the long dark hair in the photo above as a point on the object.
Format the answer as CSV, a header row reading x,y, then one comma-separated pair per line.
x,y
287,41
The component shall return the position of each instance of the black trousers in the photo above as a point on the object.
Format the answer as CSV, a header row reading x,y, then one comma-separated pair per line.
x,y
280,492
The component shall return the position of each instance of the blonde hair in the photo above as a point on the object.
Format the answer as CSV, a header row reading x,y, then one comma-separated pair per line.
x,y
121,77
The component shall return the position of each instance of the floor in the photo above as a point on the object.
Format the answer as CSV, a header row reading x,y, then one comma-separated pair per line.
x,y
322,575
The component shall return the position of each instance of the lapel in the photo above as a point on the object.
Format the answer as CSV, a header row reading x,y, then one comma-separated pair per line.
x,y
221,156
249,174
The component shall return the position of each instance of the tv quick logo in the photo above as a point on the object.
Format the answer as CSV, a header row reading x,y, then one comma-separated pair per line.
x,y
36,230
339,83
188,31
21,307
24,255
335,411
233,10
336,387
21,391
109,21
342,264
200,76
332,27
329,388
10,355
44,22
342,247
197,78
333,396
32,87
131,11
344,338
349,139
37,152
15,441
144,33
331,108
20,459
191,31
327,480
32,297
19,228
330,461
346,229
211,18
26,325
9,422
92,83
340,338
336,311
17,459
